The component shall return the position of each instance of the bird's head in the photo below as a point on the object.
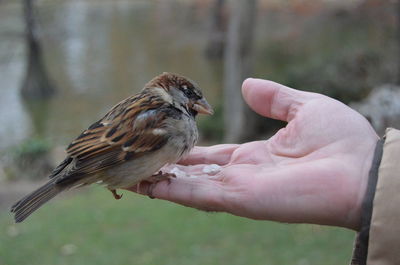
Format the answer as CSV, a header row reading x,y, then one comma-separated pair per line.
x,y
183,93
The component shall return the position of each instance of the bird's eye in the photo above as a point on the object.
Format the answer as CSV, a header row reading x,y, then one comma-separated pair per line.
x,y
188,92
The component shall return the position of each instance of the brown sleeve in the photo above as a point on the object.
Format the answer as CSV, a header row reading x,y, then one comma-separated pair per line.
x,y
384,234
378,242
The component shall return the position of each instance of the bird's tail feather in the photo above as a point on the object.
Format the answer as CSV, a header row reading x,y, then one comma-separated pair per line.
x,y
30,203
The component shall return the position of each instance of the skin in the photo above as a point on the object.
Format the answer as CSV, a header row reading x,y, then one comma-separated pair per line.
x,y
315,170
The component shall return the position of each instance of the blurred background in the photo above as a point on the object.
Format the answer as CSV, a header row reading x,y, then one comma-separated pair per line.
x,y
63,64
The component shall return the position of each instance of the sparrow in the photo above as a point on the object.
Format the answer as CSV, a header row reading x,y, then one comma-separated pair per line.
x,y
132,142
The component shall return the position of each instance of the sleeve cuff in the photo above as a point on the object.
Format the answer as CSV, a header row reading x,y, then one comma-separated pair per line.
x,y
361,245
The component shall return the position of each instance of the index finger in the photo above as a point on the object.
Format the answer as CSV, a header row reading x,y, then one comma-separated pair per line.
x,y
201,193
216,154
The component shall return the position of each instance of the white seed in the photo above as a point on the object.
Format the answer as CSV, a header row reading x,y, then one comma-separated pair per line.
x,y
211,169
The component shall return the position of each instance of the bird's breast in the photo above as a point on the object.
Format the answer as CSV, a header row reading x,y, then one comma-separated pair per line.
x,y
183,136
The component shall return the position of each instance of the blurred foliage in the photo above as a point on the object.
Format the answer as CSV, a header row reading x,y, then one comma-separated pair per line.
x,y
212,127
28,160
93,228
341,53
30,148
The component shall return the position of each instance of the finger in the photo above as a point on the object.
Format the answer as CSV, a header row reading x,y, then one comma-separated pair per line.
x,y
274,100
217,154
201,193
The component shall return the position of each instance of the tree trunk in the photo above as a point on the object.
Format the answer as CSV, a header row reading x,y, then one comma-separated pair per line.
x,y
36,84
217,31
238,119
398,39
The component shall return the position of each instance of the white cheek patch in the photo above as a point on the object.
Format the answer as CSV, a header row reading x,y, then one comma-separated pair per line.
x,y
165,96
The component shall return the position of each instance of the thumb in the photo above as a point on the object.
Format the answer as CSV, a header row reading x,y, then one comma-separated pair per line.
x,y
273,100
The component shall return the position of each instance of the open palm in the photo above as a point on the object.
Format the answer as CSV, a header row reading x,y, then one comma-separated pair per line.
x,y
315,170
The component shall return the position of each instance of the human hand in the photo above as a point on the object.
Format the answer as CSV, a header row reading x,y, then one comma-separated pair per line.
x,y
315,170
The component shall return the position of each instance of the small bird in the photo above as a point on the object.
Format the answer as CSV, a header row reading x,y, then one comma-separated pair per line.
x,y
132,142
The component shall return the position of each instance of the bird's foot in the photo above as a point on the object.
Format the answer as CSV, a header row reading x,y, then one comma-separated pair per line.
x,y
160,176
155,178
115,194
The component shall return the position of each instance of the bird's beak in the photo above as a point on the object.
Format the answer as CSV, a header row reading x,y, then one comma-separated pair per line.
x,y
202,106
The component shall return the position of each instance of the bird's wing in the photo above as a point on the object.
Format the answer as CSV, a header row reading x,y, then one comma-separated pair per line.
x,y
129,130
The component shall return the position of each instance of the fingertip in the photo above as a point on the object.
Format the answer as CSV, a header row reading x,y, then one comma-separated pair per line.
x,y
154,190
140,188
246,87
161,189
247,81
258,94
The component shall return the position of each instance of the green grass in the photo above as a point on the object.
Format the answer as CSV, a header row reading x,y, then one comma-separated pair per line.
x,y
137,230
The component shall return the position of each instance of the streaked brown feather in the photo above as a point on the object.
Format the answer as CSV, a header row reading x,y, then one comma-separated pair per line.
x,y
124,133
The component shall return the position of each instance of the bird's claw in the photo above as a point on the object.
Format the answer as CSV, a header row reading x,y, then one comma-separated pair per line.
x,y
115,194
160,176
154,179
